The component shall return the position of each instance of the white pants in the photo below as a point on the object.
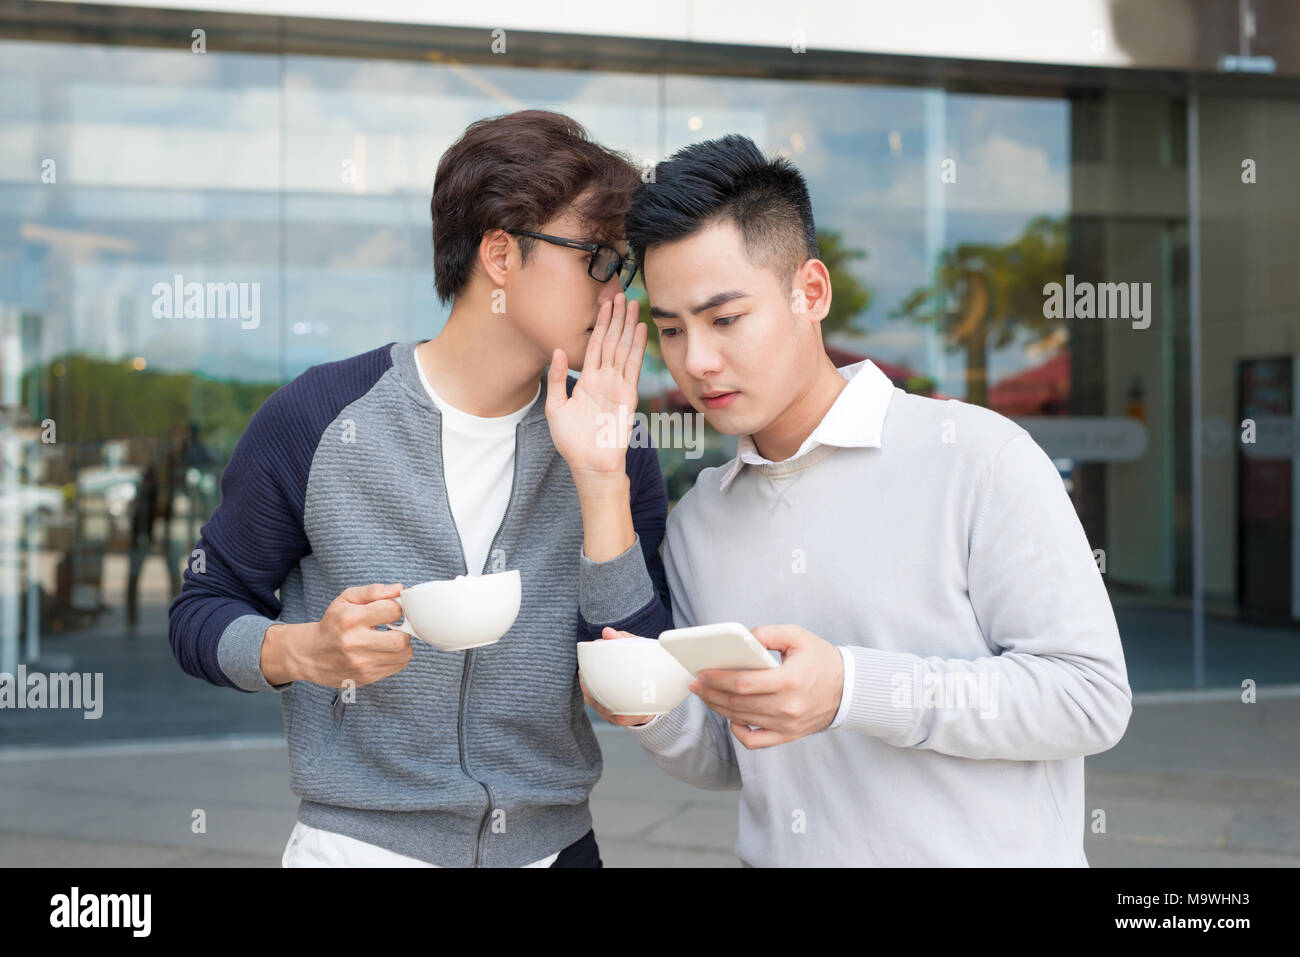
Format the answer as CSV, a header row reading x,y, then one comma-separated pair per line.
x,y
312,847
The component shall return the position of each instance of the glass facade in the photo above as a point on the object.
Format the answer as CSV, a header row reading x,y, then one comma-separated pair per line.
x,y
180,234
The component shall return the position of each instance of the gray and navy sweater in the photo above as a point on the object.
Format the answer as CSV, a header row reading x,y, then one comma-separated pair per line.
x,y
483,757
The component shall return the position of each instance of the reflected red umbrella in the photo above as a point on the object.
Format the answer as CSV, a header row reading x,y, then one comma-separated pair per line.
x,y
1043,389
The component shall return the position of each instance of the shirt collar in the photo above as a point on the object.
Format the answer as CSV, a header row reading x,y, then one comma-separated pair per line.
x,y
855,420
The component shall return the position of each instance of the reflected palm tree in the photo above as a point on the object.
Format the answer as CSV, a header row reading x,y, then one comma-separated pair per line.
x,y
983,294
849,298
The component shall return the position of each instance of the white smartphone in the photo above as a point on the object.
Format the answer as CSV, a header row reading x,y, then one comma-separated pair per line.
x,y
727,646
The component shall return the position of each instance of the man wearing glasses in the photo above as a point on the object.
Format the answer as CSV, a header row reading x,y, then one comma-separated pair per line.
x,y
469,453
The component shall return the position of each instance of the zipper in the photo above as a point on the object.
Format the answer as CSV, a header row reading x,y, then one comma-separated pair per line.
x,y
465,668
339,707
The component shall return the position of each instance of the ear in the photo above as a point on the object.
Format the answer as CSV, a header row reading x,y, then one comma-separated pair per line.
x,y
810,292
494,252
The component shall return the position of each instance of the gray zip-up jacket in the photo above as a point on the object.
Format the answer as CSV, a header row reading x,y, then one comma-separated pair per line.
x,y
483,757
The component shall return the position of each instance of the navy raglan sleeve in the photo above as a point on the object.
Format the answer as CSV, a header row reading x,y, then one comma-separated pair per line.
x,y
256,536
245,551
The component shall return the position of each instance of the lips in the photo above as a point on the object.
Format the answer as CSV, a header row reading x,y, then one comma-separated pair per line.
x,y
718,399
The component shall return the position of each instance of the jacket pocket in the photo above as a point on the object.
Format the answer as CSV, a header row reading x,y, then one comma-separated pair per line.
x,y
339,707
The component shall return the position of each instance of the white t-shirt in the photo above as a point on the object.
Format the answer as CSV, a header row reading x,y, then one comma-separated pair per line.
x,y
312,847
478,464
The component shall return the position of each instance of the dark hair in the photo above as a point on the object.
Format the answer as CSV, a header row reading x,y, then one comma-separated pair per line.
x,y
727,179
516,172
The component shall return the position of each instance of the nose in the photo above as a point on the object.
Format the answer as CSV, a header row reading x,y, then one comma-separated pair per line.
x,y
703,360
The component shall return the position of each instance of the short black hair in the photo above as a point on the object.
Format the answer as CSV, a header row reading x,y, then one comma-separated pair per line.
x,y
727,179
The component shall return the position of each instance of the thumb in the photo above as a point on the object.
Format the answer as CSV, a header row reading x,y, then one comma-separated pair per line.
x,y
777,637
555,376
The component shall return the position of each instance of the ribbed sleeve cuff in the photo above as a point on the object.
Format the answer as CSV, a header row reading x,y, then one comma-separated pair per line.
x,y
663,730
885,688
613,590
239,653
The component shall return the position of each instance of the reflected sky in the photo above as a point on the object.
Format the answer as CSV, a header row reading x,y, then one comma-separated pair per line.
x,y
311,176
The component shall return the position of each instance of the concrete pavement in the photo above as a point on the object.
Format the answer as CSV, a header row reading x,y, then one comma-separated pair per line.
x,y
1195,783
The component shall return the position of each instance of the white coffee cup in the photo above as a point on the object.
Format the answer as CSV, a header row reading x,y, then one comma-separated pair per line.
x,y
632,675
468,611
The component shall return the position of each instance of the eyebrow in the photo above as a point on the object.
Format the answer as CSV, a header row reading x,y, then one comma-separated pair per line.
x,y
711,303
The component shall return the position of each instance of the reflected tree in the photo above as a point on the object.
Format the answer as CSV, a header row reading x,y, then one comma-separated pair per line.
x,y
983,294
849,297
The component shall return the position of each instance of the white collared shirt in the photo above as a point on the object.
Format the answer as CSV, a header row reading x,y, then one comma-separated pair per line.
x,y
853,421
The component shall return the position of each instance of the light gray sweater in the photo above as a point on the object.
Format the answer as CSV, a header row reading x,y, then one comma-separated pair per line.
x,y
936,542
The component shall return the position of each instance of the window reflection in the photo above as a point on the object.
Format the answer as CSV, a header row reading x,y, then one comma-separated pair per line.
x,y
943,216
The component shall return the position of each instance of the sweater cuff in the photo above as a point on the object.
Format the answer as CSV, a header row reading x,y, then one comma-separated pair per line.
x,y
661,731
616,589
239,653
885,689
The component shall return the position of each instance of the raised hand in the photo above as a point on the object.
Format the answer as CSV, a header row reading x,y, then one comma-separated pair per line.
x,y
592,427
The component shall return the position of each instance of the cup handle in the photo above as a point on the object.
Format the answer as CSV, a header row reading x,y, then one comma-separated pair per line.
x,y
405,626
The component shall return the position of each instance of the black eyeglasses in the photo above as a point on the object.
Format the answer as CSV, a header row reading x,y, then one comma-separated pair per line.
x,y
605,260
